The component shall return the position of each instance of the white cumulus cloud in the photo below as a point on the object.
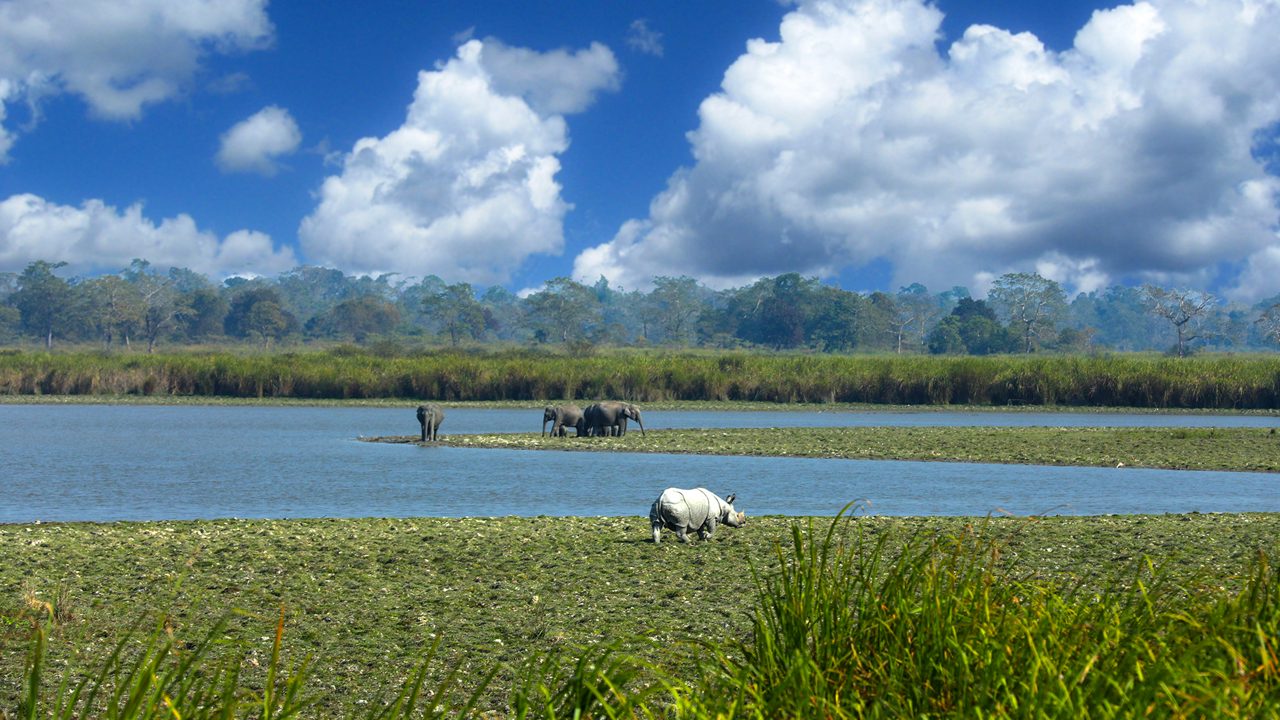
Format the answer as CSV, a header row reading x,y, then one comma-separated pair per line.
x,y
466,187
855,137
96,237
256,143
117,56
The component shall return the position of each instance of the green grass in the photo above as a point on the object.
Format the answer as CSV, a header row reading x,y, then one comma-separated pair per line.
x,y
1238,449
373,608
1218,382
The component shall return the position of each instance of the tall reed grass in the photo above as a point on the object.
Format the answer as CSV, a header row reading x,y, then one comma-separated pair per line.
x,y
1149,381
851,626
847,629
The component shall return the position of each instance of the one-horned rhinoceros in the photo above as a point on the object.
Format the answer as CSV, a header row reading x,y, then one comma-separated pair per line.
x,y
698,509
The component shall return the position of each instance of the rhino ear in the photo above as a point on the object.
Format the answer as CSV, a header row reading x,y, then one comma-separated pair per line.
x,y
730,499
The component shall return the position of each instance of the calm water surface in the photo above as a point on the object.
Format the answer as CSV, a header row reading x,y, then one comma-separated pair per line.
x,y
105,462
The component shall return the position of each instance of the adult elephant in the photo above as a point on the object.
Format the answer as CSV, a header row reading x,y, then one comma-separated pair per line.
x,y
610,418
563,417
429,417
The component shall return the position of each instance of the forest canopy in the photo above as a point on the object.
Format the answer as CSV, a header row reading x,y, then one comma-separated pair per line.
x,y
143,306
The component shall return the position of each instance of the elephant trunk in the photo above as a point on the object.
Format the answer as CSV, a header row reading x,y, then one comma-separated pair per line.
x,y
640,424
544,427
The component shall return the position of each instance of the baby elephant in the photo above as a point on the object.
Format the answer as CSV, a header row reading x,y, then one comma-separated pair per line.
x,y
429,417
698,509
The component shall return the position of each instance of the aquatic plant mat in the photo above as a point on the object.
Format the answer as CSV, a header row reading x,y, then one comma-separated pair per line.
x,y
1239,449
1110,616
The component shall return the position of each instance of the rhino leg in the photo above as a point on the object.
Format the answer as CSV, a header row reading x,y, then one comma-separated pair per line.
x,y
680,533
657,533
707,528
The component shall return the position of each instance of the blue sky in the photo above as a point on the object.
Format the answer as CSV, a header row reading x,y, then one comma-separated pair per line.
x,y
872,143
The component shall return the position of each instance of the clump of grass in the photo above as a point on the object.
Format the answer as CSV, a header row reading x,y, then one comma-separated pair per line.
x,y
167,677
942,631
600,682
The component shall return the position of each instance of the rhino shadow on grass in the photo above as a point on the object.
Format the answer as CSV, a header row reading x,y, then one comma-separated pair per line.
x,y
699,509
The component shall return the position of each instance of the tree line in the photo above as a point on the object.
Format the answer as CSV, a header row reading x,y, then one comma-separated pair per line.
x,y
141,306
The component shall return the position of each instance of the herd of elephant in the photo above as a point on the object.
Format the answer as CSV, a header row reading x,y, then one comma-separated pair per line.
x,y
608,418
676,509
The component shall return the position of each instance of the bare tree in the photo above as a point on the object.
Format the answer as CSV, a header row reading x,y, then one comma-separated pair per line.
x,y
1032,304
915,311
1269,323
1185,309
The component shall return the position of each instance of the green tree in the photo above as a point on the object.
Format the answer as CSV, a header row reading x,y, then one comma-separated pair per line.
x,y
355,318
204,308
1032,305
1183,308
502,313
563,309
10,318
1119,318
676,308
256,313
881,329
972,327
775,312
308,291
837,319
45,302
456,310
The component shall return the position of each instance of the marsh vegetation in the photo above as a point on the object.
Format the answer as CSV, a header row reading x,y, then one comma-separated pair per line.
x,y
1140,381
867,616
1239,449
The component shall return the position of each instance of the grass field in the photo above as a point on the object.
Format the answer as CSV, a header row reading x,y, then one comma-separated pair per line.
x,y
367,599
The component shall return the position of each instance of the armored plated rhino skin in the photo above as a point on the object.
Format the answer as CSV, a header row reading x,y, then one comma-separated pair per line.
x,y
699,509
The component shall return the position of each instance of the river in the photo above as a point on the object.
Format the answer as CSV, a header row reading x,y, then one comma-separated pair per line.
x,y
156,462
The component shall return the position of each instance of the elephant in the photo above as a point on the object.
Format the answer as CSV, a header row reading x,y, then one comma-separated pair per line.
x,y
610,418
563,417
429,417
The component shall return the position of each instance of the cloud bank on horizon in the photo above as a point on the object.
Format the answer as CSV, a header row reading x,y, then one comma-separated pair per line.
x,y
1145,152
856,138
